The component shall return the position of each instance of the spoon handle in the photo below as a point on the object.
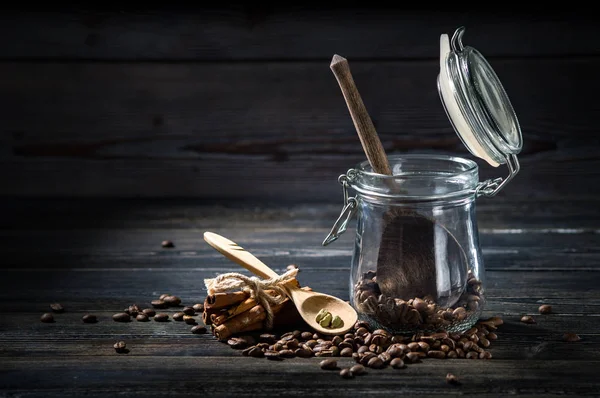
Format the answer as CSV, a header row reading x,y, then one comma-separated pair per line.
x,y
234,252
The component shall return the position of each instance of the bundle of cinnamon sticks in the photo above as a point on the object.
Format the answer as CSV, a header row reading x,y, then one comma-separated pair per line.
x,y
231,313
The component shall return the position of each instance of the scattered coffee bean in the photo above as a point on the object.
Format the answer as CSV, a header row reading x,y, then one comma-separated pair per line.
x,y
472,355
161,317
133,310
167,244
451,379
287,354
57,307
436,354
190,320
162,296
413,357
120,347
346,373
89,318
237,343
306,336
527,319
172,301
375,363
328,364
178,316
346,352
149,312
199,329
256,352
303,352
142,318
268,338
159,304
485,355
571,337
47,318
188,311
358,370
273,355
397,363
121,317
198,307
545,309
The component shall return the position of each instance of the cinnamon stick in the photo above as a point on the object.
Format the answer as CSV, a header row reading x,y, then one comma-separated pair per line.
x,y
222,300
238,309
241,322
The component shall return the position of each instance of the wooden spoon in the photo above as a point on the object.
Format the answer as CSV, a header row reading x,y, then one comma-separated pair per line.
x,y
308,303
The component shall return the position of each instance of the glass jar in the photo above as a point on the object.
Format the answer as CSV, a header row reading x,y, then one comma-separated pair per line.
x,y
416,263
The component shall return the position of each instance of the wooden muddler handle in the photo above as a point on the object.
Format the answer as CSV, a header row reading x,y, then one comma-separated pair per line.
x,y
362,121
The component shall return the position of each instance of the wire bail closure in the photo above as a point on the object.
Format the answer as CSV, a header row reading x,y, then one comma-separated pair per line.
x,y
348,210
489,188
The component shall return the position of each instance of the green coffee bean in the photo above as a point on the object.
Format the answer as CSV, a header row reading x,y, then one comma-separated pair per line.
x,y
321,314
326,320
336,322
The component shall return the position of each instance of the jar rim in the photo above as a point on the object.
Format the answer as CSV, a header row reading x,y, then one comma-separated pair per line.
x,y
456,177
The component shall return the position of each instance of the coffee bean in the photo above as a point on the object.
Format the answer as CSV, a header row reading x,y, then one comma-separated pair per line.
x,y
346,352
496,320
273,356
472,355
324,353
198,307
121,317
287,354
423,346
485,355
89,318
172,301
492,336
436,354
142,318
394,351
451,379
159,304
57,307
188,311
263,345
460,352
346,373
133,310
178,316
47,318
385,357
397,363
358,370
375,363
413,357
468,345
292,344
336,340
162,296
306,336
444,348
375,349
362,349
545,309
452,355
198,329
304,352
256,352
414,346
484,342
167,244
527,319
237,343
328,364
278,347
344,344
161,317
190,320
267,338
149,312
571,337
120,347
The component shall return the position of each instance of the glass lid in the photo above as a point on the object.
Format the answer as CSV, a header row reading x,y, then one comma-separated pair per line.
x,y
476,103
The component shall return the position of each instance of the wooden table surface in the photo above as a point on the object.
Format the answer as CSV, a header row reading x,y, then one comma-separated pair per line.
x,y
99,256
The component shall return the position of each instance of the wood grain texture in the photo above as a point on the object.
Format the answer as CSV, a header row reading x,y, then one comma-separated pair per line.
x,y
289,32
99,256
173,130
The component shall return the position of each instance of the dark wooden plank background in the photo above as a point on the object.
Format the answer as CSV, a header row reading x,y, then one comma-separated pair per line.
x,y
219,103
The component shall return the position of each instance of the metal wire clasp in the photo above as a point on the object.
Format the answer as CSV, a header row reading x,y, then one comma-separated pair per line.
x,y
490,188
350,206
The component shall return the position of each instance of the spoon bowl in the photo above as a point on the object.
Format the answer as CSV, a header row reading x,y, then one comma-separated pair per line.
x,y
308,303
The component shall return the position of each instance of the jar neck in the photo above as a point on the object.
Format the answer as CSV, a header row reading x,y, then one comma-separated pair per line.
x,y
417,178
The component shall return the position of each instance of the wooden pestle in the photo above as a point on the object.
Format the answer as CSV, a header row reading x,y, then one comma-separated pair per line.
x,y
406,260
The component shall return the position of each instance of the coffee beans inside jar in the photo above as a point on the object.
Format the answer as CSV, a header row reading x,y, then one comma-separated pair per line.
x,y
417,313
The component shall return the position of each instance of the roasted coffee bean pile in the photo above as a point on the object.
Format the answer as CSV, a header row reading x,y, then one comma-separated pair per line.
x,y
375,349
420,312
